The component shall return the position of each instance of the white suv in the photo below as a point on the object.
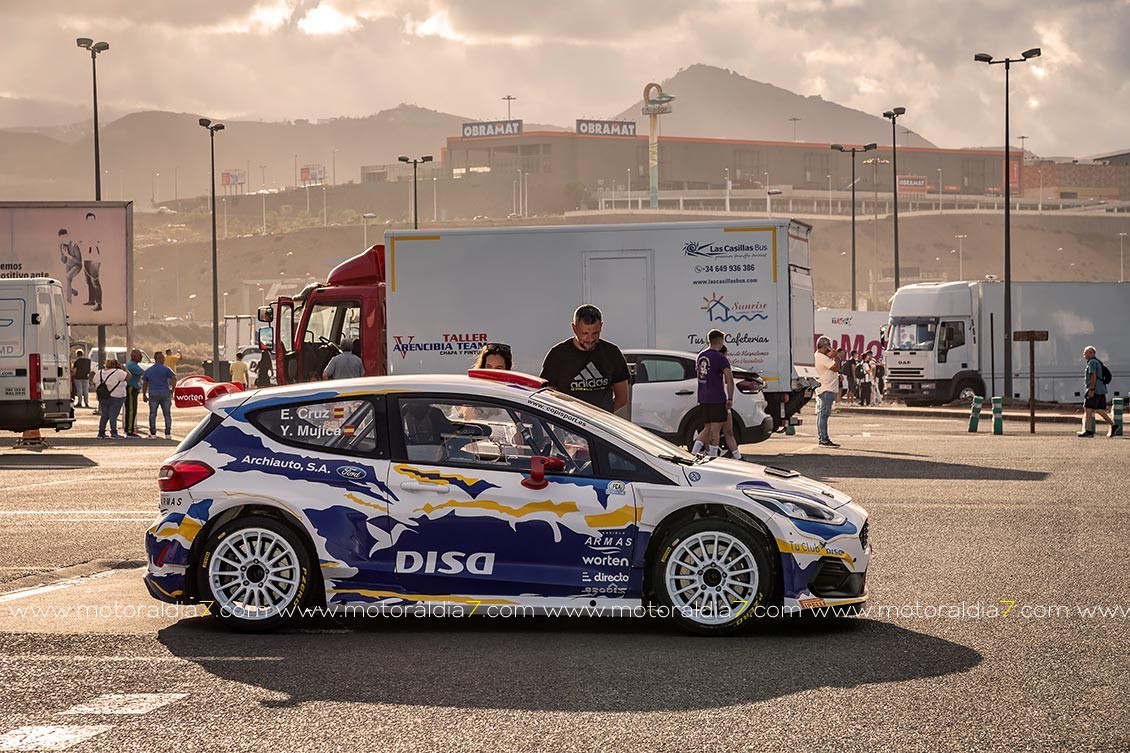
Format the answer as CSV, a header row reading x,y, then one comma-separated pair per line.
x,y
665,397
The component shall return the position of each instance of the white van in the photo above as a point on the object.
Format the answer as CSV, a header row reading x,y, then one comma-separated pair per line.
x,y
35,376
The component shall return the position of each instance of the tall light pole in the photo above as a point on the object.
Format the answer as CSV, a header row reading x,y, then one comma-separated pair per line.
x,y
508,98
628,191
212,128
893,115
727,189
96,47
829,177
325,220
520,212
854,151
334,174
939,190
794,120
1121,257
415,199
366,217
262,176
961,254
984,57
435,201
656,102
263,195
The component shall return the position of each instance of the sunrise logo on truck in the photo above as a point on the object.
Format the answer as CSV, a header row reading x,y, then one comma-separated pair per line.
x,y
724,250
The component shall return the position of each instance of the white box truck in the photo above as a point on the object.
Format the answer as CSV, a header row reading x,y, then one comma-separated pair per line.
x,y
427,300
946,339
35,372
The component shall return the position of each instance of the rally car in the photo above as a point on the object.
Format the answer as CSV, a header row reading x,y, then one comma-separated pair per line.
x,y
484,491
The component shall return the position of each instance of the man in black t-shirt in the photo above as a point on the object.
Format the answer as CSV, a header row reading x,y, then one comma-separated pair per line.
x,y
586,367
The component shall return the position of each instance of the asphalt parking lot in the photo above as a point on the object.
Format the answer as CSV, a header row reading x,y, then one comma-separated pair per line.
x,y
997,622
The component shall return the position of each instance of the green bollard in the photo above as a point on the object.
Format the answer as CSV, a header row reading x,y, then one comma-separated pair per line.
x,y
998,415
1116,431
975,414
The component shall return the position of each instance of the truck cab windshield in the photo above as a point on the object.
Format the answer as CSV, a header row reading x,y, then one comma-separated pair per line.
x,y
912,333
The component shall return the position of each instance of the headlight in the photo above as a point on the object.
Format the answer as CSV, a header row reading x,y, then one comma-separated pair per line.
x,y
797,507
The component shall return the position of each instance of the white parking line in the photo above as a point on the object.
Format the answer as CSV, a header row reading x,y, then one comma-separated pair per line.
x,y
124,703
77,658
24,593
50,737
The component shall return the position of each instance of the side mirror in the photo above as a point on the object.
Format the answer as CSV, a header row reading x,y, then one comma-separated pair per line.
x,y
265,338
265,314
35,319
539,465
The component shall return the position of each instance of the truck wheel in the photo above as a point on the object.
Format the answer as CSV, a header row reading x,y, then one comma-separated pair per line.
x,y
254,571
711,574
966,390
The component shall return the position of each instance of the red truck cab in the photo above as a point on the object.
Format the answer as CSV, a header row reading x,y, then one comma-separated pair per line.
x,y
306,331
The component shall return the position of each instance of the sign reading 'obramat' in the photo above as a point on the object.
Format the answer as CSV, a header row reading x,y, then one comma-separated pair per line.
x,y
606,127
493,128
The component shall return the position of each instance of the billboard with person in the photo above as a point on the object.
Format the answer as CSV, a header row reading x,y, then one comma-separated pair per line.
x,y
87,246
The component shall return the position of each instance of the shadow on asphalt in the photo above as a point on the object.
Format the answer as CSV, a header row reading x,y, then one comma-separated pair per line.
x,y
838,464
46,460
596,664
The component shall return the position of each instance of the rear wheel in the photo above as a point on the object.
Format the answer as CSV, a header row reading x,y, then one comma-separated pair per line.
x,y
710,576
255,571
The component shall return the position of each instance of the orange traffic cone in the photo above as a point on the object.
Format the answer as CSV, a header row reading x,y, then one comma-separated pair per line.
x,y
31,440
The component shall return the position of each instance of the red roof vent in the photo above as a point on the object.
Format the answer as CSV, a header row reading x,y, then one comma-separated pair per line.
x,y
509,377
367,268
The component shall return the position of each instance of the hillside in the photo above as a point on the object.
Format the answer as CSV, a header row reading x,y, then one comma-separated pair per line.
x,y
713,102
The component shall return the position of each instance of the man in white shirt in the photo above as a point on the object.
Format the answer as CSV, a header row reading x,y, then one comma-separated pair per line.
x,y
828,372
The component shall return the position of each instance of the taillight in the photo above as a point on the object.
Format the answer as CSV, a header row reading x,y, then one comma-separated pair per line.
x,y
35,376
182,474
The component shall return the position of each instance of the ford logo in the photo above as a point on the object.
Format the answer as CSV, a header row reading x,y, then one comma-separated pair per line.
x,y
351,472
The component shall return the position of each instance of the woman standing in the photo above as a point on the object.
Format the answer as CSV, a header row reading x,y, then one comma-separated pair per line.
x,y
263,372
110,387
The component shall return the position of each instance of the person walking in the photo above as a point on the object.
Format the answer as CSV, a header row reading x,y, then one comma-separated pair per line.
x,y
157,389
110,388
880,381
239,371
849,371
715,391
263,372
866,376
1095,395
345,365
828,366
586,367
80,374
172,359
133,389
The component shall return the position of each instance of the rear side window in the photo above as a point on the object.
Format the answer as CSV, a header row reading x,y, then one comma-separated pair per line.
x,y
338,426
203,429
13,314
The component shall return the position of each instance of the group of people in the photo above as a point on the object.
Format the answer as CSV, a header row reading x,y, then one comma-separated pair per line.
x,y
118,387
863,379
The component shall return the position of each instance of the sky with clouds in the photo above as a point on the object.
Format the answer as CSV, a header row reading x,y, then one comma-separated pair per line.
x,y
562,59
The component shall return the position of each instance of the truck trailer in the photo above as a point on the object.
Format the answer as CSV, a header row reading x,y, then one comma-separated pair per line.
x,y
426,301
946,340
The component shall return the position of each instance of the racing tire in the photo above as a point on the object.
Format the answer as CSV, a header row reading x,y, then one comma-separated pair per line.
x,y
254,574
711,574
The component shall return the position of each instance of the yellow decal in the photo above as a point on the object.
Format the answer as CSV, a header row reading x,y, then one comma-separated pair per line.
x,y
772,229
392,254
358,501
171,595
373,594
814,550
617,518
1011,603
187,529
560,509
433,476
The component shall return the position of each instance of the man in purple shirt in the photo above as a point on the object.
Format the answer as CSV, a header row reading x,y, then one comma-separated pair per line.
x,y
715,391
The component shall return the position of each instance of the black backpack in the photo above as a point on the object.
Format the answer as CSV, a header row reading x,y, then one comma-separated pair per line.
x,y
1106,375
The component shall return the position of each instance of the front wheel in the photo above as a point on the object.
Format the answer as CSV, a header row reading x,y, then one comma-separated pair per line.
x,y
254,572
711,575
966,391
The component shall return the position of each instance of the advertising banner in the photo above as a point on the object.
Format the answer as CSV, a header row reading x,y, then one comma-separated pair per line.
x,y
492,128
912,184
606,127
313,173
852,330
87,246
233,178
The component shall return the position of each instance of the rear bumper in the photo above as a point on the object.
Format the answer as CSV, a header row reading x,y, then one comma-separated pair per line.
x,y
23,415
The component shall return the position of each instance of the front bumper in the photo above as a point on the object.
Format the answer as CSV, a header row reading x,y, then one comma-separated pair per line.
x,y
918,389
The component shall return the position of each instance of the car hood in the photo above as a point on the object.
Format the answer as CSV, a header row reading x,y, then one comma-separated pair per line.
x,y
738,474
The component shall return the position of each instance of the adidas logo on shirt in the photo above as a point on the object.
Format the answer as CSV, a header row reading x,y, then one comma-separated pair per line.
x,y
589,379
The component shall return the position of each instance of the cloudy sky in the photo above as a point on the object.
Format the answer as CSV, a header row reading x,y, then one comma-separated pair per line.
x,y
280,59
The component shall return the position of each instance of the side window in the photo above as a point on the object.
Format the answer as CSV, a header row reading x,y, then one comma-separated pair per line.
x,y
654,369
286,328
619,466
466,432
958,329
345,426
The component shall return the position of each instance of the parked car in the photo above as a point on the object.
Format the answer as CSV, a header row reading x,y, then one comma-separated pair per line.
x,y
122,354
488,491
665,397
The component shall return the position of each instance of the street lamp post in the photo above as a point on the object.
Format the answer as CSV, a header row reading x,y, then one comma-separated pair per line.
x,y
334,174
854,150
263,195
961,255
893,115
415,199
984,57
212,128
435,200
727,189
366,217
1121,257
939,190
794,120
324,215
96,47
829,177
508,98
628,191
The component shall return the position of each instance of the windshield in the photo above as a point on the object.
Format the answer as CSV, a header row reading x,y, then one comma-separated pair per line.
x,y
912,334
629,433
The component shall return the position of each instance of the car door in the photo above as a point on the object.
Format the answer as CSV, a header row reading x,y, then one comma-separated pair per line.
x,y
665,391
328,459
471,517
